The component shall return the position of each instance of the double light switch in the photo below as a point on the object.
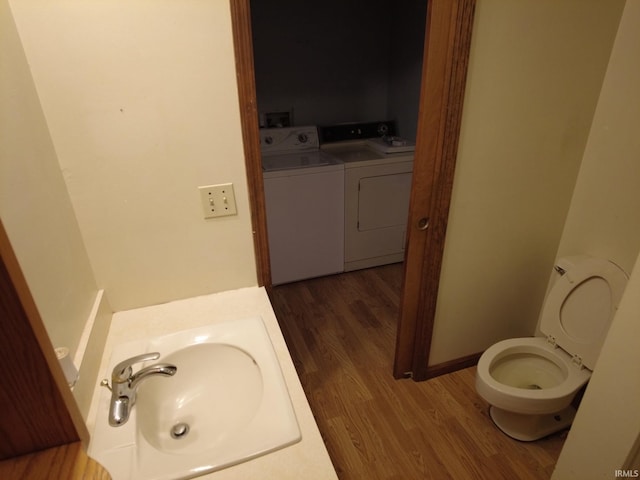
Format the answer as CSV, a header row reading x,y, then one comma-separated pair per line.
x,y
218,200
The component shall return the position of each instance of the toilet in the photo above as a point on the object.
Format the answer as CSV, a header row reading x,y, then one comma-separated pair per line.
x,y
530,382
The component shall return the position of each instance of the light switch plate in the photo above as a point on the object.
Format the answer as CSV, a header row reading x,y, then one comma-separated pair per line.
x,y
218,200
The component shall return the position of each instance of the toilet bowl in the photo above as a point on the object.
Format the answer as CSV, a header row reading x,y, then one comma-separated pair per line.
x,y
531,382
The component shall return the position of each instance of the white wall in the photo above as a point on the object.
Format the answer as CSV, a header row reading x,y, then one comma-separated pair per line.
x,y
604,220
335,61
328,60
535,73
405,65
39,219
34,205
607,426
141,101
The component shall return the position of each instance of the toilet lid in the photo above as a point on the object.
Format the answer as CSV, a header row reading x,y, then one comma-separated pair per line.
x,y
581,305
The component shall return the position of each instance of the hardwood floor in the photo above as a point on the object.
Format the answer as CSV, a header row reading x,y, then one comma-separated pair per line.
x,y
341,334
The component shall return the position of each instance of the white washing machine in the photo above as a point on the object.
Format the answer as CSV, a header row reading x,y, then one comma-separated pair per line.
x,y
304,196
377,189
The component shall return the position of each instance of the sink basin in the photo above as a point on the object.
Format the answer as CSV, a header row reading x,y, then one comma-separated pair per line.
x,y
226,404
215,392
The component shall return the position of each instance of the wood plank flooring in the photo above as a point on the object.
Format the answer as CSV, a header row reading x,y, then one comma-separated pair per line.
x,y
341,334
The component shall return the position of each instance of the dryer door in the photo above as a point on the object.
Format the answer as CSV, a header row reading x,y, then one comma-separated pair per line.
x,y
383,201
376,211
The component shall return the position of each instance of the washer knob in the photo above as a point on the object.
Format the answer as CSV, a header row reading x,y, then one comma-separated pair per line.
x,y
383,129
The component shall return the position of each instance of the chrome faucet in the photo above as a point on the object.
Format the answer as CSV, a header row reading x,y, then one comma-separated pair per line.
x,y
124,384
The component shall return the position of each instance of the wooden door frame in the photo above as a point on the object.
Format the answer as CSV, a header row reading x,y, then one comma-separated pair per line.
x,y
39,410
245,72
446,59
446,56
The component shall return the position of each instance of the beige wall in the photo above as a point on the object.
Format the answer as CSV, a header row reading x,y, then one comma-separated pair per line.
x,y
34,204
535,74
604,220
603,435
140,98
37,213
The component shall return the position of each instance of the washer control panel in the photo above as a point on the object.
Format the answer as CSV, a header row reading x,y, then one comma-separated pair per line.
x,y
288,139
356,131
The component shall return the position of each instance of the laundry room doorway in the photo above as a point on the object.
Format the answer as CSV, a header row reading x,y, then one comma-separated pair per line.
x,y
446,54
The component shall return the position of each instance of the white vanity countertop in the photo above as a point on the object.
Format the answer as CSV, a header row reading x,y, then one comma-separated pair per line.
x,y
306,459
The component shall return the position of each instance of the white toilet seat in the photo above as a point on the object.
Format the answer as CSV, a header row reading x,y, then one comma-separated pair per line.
x,y
524,400
530,382
580,306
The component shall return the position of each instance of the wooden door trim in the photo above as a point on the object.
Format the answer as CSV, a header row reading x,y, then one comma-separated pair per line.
x,y
39,410
243,49
446,58
449,24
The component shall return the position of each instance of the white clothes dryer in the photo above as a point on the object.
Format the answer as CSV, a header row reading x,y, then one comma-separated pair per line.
x,y
377,190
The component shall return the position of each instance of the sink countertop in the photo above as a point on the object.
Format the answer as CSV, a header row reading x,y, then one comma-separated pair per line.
x,y
305,459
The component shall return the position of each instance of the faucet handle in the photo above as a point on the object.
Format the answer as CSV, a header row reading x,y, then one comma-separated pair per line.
x,y
122,371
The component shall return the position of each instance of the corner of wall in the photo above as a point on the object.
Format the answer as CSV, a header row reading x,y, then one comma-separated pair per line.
x,y
89,353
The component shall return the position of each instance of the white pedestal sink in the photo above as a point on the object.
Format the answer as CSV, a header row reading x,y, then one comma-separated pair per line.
x,y
226,404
